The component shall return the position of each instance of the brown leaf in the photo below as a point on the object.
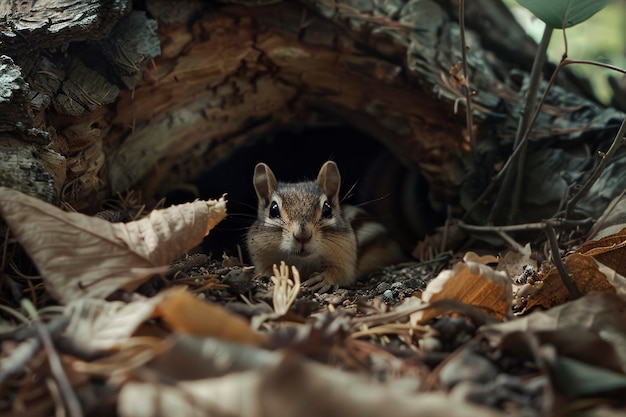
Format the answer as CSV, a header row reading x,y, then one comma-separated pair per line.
x,y
185,313
609,250
584,273
473,283
81,256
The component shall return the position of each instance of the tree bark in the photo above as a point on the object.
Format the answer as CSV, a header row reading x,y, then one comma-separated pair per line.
x,y
101,98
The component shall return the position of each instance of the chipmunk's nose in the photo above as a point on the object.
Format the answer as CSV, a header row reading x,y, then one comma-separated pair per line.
x,y
302,234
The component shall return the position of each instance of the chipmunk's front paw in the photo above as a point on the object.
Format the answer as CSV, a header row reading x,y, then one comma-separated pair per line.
x,y
317,283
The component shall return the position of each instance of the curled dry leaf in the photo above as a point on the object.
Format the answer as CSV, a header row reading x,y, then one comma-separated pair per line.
x,y
471,282
81,256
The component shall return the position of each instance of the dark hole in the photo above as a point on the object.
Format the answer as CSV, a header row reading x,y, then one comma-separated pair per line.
x,y
371,177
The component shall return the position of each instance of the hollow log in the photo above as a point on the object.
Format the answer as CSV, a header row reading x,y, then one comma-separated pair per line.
x,y
104,96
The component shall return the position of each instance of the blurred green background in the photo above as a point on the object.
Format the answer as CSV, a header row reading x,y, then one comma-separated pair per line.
x,y
601,38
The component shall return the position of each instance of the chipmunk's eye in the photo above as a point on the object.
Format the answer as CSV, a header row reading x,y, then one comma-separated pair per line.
x,y
327,210
274,210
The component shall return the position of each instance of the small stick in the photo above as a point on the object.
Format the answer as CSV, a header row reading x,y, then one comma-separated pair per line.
x,y
558,262
73,405
529,108
466,84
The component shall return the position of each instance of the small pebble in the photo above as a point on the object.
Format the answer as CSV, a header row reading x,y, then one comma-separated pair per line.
x,y
388,294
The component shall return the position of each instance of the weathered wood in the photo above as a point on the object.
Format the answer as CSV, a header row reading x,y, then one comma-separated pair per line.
x,y
130,105
29,26
270,69
26,161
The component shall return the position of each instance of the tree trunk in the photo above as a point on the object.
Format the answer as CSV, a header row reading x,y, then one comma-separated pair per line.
x,y
99,97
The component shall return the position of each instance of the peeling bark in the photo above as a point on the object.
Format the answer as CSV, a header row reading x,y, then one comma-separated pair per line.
x,y
149,98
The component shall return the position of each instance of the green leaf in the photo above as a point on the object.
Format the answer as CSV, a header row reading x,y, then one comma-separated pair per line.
x,y
561,14
577,379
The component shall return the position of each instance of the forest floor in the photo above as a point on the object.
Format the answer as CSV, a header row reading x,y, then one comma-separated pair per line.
x,y
105,329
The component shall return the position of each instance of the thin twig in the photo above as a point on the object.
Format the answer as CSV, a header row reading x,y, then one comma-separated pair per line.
x,y
497,229
466,86
529,108
533,85
595,64
618,141
508,239
558,262
73,405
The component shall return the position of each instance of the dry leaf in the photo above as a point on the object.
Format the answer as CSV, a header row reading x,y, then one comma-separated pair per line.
x,y
183,312
600,313
81,256
580,346
618,281
472,283
98,324
609,250
584,272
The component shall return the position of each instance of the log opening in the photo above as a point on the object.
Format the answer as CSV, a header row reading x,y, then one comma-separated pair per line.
x,y
373,177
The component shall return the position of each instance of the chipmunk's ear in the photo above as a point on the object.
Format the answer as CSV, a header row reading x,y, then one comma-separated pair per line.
x,y
330,180
264,182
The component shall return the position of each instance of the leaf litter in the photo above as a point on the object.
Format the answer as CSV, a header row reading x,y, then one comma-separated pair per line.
x,y
135,323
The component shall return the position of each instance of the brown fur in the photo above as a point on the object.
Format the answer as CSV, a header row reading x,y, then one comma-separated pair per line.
x,y
319,247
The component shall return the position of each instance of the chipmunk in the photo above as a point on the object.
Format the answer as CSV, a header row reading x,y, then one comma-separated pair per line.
x,y
305,225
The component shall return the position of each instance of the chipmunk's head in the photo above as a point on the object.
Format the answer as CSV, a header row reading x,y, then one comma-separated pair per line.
x,y
301,215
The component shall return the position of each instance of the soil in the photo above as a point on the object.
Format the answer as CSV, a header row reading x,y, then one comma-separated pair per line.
x,y
234,284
